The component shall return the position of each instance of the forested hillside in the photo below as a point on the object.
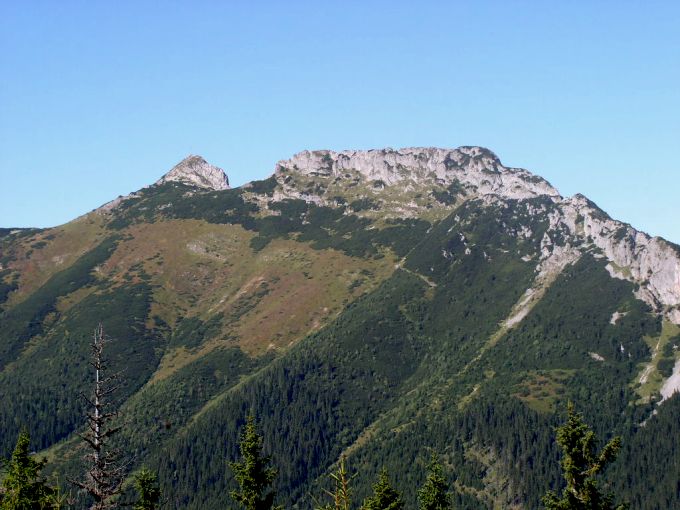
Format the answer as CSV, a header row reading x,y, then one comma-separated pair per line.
x,y
379,307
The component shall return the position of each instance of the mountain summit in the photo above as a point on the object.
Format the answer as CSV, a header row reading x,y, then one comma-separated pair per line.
x,y
196,171
473,167
378,305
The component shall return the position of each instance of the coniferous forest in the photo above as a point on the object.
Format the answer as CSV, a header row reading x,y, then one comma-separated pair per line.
x,y
24,485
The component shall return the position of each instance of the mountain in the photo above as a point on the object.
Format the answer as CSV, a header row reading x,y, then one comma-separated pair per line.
x,y
380,304
196,171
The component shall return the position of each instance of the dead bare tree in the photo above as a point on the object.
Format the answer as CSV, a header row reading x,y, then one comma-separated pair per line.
x,y
104,477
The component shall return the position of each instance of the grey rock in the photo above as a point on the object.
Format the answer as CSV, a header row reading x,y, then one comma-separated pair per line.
x,y
196,171
651,262
476,168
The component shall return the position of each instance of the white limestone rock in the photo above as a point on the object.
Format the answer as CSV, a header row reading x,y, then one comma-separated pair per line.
x,y
476,168
615,318
674,315
196,171
651,262
110,206
672,384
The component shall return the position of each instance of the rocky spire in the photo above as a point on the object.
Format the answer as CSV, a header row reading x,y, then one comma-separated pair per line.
x,y
196,171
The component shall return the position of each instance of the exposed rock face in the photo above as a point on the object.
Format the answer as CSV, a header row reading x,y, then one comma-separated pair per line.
x,y
196,171
672,384
652,263
474,167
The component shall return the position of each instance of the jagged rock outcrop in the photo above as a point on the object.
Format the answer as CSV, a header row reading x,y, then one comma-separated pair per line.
x,y
476,168
650,262
196,171
192,170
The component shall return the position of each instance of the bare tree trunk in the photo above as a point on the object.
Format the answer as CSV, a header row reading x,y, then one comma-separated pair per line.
x,y
103,479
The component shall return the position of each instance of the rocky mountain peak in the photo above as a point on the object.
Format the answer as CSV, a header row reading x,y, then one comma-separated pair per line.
x,y
196,171
474,167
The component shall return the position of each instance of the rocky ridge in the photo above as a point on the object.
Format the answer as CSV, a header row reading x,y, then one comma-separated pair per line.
x,y
404,183
650,262
475,168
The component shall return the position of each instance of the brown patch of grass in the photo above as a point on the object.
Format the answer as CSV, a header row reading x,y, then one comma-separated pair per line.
x,y
268,300
42,255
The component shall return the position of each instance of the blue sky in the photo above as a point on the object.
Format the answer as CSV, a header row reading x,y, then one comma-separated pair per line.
x,y
98,99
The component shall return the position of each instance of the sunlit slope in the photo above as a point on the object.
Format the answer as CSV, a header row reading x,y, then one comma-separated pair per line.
x,y
415,367
169,290
378,304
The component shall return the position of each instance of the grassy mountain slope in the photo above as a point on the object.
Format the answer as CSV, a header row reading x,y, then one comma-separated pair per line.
x,y
382,321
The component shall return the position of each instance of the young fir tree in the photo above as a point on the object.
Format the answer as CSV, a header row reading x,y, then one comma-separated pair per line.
x,y
580,465
23,488
253,474
148,491
385,497
104,478
434,494
340,494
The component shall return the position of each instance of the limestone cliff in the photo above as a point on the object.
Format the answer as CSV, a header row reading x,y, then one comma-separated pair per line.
x,y
475,168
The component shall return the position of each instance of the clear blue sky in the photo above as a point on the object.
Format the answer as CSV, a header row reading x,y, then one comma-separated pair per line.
x,y
98,99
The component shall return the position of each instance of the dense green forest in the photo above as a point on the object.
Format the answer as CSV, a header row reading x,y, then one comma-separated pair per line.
x,y
24,487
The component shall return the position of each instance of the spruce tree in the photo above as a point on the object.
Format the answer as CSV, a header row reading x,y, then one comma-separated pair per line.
x,y
385,497
434,493
149,494
253,473
580,465
23,488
